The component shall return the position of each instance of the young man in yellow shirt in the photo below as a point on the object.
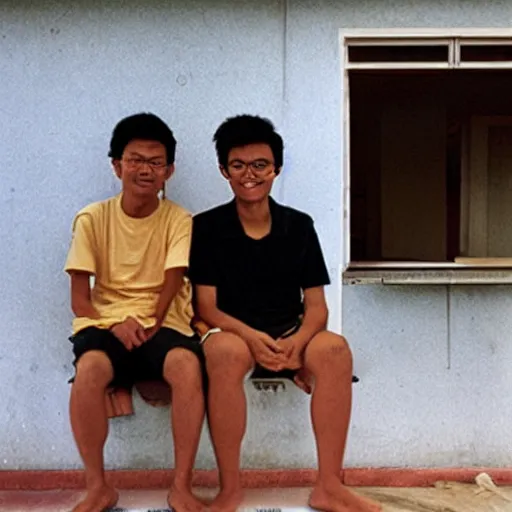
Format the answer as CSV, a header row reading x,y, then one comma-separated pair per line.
x,y
134,323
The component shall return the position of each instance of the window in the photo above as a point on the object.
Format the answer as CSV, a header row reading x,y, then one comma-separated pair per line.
x,y
428,178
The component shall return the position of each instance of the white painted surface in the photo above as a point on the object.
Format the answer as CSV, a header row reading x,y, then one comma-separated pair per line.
x,y
68,74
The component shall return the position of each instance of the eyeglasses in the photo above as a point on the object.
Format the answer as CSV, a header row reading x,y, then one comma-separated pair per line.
x,y
259,167
137,163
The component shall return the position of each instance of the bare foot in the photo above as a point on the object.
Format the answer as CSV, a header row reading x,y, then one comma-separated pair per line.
x,y
98,500
337,498
182,500
227,501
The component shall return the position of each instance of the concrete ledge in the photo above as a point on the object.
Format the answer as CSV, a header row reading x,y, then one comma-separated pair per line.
x,y
150,479
161,479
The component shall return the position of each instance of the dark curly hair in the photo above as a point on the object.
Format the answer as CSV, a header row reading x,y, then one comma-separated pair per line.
x,y
243,130
144,126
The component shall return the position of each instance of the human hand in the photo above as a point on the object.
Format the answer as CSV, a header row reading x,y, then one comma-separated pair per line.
x,y
265,350
293,348
130,333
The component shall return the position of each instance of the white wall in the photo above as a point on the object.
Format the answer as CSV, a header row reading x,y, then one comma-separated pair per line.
x,y
68,74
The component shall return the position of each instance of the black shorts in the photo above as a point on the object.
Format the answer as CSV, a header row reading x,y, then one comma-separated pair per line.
x,y
142,363
283,331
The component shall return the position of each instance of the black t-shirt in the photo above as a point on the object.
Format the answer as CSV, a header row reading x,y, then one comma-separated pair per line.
x,y
259,282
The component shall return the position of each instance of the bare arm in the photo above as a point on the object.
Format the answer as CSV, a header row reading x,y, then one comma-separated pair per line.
x,y
172,283
315,314
81,295
314,321
132,334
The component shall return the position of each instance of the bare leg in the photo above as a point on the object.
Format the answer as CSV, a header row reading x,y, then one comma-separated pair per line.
x,y
328,359
90,427
182,372
228,360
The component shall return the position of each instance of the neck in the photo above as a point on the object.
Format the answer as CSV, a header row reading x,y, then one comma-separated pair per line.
x,y
254,213
139,207
255,218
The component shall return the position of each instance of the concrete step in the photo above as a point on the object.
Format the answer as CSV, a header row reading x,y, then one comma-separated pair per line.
x,y
454,497
261,500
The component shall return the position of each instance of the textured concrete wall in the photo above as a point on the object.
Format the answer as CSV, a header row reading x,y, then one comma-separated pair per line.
x,y
434,364
69,73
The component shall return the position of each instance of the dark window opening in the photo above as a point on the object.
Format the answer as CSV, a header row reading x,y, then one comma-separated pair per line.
x,y
410,135
398,53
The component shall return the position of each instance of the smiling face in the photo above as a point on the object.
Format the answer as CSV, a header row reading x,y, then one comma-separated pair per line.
x,y
143,168
251,172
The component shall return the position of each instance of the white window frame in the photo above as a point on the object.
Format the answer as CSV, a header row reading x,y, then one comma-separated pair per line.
x,y
395,41
460,64
455,38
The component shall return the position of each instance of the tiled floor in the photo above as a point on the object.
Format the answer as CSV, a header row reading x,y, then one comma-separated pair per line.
x,y
444,498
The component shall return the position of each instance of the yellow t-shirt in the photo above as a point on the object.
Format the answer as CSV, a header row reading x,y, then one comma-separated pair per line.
x,y
128,257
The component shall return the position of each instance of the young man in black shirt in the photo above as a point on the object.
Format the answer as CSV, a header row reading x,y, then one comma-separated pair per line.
x,y
259,277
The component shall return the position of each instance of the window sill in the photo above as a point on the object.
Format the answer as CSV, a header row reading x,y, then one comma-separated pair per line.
x,y
417,273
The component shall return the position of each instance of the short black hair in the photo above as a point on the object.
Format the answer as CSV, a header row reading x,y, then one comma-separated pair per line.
x,y
243,130
143,126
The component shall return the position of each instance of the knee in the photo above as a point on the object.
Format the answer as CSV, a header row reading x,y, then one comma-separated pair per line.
x,y
228,354
94,369
328,351
182,368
